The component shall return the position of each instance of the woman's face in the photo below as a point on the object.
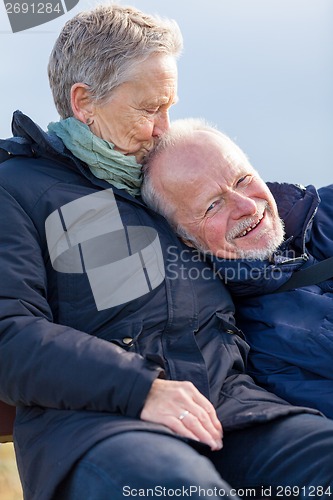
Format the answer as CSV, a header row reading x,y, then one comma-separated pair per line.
x,y
138,111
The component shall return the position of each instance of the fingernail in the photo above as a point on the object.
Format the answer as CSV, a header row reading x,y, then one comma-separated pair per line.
x,y
215,445
219,445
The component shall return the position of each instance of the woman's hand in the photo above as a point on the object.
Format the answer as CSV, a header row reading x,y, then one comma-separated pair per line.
x,y
182,408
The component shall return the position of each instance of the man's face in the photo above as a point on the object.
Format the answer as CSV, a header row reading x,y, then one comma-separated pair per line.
x,y
220,200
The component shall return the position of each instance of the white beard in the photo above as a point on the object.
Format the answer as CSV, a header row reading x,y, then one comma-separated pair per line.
x,y
275,240
266,252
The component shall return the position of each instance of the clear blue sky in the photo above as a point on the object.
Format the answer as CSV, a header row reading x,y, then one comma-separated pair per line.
x,y
261,70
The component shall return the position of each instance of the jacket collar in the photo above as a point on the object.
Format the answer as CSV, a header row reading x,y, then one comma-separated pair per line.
x,y
30,140
297,206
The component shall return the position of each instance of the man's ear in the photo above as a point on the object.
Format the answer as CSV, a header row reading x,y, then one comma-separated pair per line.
x,y
82,105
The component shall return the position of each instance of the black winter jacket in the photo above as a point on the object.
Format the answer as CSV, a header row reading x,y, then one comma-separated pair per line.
x,y
97,298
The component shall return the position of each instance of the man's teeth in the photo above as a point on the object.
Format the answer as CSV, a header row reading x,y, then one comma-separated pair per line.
x,y
250,228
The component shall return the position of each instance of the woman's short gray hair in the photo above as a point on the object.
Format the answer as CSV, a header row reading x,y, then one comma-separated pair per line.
x,y
102,47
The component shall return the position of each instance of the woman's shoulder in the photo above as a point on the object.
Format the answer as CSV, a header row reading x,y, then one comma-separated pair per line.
x,y
33,161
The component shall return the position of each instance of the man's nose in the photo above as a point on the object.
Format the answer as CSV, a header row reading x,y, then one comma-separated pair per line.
x,y
242,205
161,124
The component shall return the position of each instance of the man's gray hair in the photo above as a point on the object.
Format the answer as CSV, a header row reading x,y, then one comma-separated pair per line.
x,y
178,134
102,47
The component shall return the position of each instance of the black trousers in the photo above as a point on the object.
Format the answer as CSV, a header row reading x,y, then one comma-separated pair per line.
x,y
291,457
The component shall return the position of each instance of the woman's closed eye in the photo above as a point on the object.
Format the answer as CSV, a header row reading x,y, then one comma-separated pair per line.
x,y
151,111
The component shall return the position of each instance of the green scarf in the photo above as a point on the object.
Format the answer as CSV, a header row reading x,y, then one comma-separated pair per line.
x,y
104,162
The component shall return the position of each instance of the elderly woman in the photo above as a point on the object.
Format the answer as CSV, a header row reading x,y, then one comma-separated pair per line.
x,y
119,351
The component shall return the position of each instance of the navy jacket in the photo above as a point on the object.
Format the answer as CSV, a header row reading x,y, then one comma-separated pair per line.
x,y
290,333
98,298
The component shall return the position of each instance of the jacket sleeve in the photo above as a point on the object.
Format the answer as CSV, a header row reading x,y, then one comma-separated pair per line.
x,y
321,238
47,364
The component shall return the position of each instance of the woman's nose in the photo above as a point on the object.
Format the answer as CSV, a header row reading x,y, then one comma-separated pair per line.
x,y
161,124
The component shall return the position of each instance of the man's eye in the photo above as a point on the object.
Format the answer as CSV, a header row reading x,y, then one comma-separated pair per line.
x,y
244,181
211,206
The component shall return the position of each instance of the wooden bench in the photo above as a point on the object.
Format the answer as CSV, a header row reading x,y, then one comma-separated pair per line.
x,y
7,417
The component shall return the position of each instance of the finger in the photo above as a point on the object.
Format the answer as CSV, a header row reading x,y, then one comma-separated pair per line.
x,y
207,409
168,399
210,423
205,422
190,398
203,430
197,435
177,426
207,406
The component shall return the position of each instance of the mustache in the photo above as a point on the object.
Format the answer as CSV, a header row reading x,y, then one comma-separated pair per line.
x,y
245,224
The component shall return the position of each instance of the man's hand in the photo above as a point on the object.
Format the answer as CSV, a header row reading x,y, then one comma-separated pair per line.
x,y
182,408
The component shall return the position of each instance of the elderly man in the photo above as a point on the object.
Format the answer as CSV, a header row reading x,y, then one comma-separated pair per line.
x,y
259,235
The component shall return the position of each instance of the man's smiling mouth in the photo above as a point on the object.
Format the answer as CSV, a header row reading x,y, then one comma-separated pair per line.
x,y
250,228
